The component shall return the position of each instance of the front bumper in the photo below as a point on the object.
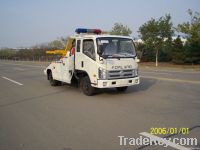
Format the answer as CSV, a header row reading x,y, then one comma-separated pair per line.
x,y
117,82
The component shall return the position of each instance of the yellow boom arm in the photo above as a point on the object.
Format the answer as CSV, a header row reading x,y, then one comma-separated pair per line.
x,y
62,52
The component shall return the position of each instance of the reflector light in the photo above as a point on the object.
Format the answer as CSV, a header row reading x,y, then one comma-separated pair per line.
x,y
83,30
97,31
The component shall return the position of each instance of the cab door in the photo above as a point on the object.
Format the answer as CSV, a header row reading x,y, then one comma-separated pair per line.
x,y
78,55
85,58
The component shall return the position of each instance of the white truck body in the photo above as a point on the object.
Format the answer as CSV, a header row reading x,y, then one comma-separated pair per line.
x,y
103,72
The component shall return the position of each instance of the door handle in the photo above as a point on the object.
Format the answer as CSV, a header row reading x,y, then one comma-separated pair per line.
x,y
82,64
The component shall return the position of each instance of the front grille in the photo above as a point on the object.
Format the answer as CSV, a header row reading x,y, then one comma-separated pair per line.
x,y
114,71
128,70
128,74
114,76
117,74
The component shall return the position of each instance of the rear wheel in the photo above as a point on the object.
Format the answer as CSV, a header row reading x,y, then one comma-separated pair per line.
x,y
86,87
122,89
52,81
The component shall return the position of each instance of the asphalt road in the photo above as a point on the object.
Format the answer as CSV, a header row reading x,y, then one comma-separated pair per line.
x,y
37,116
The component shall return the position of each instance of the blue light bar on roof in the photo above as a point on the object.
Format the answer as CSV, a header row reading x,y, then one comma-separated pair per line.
x,y
83,30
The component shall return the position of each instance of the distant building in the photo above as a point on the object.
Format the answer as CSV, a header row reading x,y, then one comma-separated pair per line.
x,y
183,39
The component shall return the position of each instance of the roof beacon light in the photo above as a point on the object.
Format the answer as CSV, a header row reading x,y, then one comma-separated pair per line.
x,y
83,30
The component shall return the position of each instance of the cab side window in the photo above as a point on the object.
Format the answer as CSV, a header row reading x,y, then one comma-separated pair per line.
x,y
88,48
78,45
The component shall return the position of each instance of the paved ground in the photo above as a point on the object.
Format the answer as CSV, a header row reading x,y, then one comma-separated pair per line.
x,y
36,116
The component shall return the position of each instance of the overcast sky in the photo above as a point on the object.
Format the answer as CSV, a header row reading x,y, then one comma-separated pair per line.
x,y
29,22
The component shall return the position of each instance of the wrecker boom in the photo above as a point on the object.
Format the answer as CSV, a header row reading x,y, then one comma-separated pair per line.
x,y
62,52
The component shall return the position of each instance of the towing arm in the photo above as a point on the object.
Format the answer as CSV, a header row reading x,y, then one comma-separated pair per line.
x,y
62,52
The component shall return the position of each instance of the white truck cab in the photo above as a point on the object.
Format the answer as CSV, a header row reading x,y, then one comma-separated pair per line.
x,y
99,61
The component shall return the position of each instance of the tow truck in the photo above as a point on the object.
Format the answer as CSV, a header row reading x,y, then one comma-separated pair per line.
x,y
99,61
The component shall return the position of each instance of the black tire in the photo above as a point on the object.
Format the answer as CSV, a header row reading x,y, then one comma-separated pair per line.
x,y
122,89
86,87
52,81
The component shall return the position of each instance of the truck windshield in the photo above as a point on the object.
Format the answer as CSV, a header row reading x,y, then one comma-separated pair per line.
x,y
114,47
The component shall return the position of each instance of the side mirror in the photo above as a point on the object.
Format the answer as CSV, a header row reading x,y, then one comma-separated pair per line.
x,y
100,49
137,60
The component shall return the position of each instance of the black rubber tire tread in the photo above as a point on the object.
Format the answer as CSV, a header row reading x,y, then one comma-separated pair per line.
x,y
86,87
52,81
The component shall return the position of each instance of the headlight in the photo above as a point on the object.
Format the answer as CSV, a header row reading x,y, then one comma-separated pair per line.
x,y
102,73
135,72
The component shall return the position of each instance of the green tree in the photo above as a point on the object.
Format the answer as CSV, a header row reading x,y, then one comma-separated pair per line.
x,y
7,53
120,29
178,55
64,40
156,34
166,52
192,29
139,49
56,44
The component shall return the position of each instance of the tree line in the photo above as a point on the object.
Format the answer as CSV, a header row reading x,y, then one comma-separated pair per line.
x,y
157,42
34,53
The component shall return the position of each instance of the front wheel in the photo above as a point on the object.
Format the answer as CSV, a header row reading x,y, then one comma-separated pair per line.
x,y
122,89
52,81
86,87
